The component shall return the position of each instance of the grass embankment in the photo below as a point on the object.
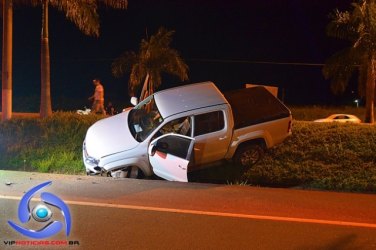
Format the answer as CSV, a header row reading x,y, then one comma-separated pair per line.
x,y
321,155
317,155
45,145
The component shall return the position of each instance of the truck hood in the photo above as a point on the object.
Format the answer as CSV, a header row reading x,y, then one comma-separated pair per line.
x,y
109,136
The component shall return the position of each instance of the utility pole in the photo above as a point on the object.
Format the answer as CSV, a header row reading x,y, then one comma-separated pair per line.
x,y
7,60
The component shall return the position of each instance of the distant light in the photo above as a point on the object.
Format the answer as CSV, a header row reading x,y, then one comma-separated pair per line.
x,y
357,102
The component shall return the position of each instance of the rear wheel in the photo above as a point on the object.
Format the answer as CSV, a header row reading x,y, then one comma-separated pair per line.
x,y
248,155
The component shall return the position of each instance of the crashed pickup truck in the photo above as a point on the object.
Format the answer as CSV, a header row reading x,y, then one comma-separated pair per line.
x,y
182,129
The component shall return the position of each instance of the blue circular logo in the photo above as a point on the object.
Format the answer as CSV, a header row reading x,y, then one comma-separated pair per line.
x,y
42,213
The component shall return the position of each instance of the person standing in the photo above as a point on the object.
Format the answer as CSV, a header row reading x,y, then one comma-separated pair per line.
x,y
98,97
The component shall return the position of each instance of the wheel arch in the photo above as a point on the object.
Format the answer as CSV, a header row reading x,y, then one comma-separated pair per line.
x,y
249,153
129,163
257,141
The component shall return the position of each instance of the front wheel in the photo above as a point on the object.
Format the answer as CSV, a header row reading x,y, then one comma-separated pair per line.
x,y
248,155
129,172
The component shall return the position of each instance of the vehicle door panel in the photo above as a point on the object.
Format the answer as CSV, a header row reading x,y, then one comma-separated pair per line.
x,y
169,155
210,145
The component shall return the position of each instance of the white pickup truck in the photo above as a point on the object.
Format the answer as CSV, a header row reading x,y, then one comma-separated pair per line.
x,y
181,129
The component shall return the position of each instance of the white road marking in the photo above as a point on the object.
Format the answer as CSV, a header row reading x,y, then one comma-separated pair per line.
x,y
220,214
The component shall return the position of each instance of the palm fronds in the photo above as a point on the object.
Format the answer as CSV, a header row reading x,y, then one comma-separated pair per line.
x,y
359,27
154,57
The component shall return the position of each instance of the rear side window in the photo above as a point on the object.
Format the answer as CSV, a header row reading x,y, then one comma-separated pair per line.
x,y
209,122
342,117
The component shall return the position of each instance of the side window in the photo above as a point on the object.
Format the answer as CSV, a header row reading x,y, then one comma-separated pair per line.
x,y
174,145
179,126
209,122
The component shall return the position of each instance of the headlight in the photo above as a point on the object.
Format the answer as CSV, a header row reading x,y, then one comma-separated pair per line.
x,y
92,161
88,159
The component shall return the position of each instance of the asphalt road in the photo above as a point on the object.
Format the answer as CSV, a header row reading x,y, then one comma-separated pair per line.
x,y
152,214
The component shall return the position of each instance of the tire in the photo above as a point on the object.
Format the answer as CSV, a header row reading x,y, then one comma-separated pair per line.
x,y
136,173
248,155
132,172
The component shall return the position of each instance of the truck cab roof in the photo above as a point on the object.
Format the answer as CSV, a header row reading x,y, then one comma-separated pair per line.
x,y
188,97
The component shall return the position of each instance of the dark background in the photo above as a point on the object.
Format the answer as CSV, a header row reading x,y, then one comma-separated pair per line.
x,y
272,42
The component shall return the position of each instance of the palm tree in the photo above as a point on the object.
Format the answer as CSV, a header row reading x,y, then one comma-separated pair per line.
x,y
85,17
82,13
154,57
358,27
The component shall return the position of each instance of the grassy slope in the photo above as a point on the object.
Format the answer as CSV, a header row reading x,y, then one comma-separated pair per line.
x,y
319,155
48,145
327,156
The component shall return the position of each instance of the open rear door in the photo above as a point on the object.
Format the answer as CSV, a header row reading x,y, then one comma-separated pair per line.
x,y
169,156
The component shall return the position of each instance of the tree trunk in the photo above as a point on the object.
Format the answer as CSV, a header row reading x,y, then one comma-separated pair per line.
x,y
7,64
370,93
151,87
45,98
144,91
149,93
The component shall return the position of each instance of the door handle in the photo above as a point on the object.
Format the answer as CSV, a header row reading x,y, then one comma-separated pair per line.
x,y
222,138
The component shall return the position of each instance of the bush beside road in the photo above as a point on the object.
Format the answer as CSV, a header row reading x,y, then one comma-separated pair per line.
x,y
325,156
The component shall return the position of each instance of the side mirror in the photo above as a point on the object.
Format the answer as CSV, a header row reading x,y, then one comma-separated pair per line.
x,y
134,100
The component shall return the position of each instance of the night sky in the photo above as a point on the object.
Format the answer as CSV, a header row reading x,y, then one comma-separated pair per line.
x,y
271,42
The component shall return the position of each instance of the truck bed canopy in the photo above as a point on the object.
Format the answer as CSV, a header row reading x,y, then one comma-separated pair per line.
x,y
255,105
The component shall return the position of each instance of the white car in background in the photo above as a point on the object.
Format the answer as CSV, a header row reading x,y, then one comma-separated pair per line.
x,y
343,118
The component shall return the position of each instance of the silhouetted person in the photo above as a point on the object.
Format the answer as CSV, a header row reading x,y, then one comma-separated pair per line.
x,y
98,98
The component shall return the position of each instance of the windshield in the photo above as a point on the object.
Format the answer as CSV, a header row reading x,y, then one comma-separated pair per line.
x,y
144,118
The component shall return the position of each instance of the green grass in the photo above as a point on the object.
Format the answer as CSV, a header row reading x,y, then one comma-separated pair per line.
x,y
321,155
45,145
318,155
